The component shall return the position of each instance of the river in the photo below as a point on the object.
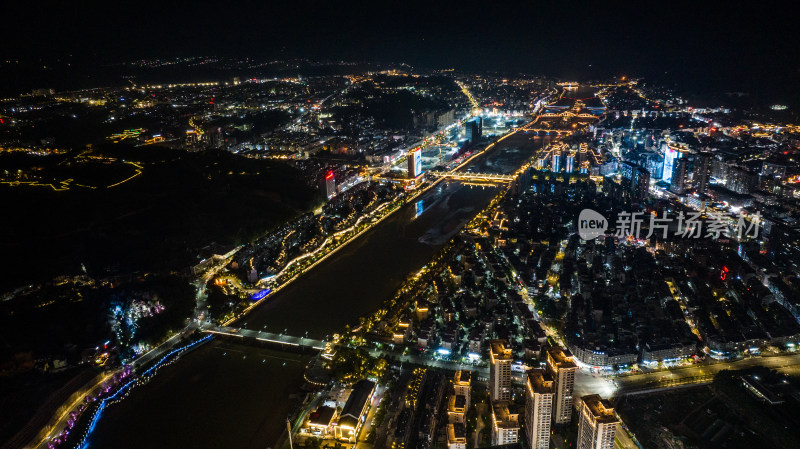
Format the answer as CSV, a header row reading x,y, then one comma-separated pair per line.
x,y
231,396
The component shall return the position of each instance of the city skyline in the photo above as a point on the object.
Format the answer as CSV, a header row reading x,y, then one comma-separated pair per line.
x,y
399,226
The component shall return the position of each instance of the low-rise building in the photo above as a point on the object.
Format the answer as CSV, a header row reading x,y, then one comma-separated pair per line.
x,y
354,411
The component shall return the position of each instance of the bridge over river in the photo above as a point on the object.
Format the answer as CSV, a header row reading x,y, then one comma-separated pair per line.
x,y
269,337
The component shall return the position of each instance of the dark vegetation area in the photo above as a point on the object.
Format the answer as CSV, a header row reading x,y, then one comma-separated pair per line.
x,y
158,221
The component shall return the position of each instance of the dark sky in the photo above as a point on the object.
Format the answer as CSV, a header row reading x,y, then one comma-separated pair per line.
x,y
707,44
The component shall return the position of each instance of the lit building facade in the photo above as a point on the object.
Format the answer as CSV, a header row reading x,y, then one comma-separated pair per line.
x,y
505,425
562,368
330,185
456,436
500,370
462,384
598,424
539,394
414,163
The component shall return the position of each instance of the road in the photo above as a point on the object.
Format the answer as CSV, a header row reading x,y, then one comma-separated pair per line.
x,y
622,440
54,429
700,373
432,363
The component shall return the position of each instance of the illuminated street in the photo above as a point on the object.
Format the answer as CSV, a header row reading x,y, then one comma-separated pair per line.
x,y
413,225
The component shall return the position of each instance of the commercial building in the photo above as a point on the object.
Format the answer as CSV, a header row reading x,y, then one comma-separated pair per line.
x,y
669,159
539,394
319,421
474,129
500,370
635,179
351,418
505,425
330,185
414,163
598,424
562,368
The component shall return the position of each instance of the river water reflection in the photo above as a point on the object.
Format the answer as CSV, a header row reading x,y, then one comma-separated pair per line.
x,y
232,396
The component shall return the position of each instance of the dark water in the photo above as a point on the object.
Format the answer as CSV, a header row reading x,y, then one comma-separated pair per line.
x,y
580,92
509,154
357,279
219,396
210,400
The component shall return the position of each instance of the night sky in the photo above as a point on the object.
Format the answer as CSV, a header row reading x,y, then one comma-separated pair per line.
x,y
698,44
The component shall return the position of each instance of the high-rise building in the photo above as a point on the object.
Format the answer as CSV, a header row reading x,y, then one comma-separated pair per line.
x,y
330,185
505,425
678,180
669,159
500,370
741,180
556,161
462,384
541,163
598,424
414,163
640,187
719,168
540,391
635,179
571,162
702,172
562,368
474,129
655,165
626,169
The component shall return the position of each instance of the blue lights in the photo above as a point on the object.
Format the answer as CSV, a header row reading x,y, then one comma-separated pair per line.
x,y
420,208
105,402
261,294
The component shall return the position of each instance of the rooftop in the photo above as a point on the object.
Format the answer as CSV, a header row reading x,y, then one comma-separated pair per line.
x,y
321,416
457,403
540,382
502,417
500,349
456,432
352,409
600,410
560,358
